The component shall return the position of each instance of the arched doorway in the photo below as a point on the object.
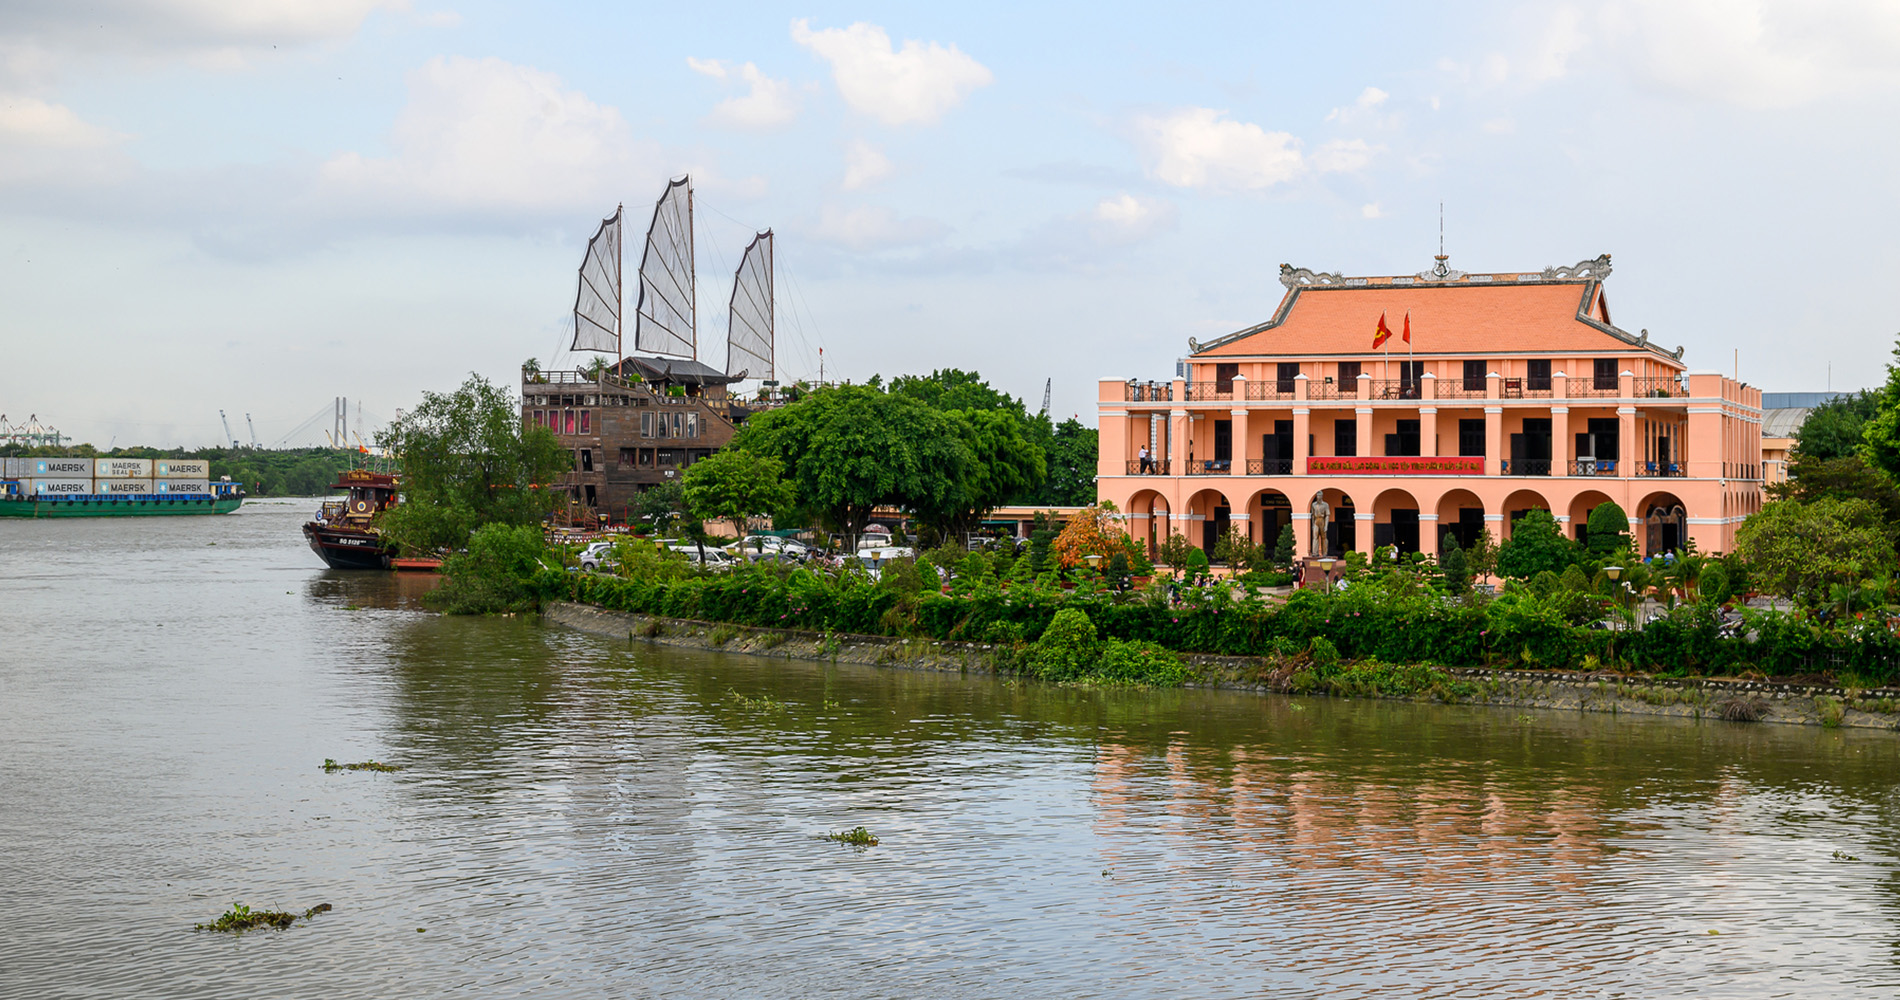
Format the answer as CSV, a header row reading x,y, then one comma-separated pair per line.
x,y
1460,515
1208,507
1273,512
1517,505
1148,519
1665,523
1395,521
1580,507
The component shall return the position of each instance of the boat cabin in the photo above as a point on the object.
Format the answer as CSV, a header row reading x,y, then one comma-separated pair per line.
x,y
370,493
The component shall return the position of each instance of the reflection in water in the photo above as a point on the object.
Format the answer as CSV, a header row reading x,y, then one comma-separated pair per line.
x,y
583,816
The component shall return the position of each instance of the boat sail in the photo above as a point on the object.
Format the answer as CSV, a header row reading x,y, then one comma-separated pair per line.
x,y
665,317
597,301
750,337
664,321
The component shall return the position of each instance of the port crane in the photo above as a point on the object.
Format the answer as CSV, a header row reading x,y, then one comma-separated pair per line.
x,y
227,429
253,429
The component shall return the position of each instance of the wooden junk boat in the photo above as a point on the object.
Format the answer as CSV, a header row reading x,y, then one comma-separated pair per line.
x,y
343,534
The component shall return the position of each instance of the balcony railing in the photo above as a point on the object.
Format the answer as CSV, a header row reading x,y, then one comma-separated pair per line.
x,y
1658,469
1594,467
1580,387
1155,467
1269,467
1392,388
1150,392
1646,387
1210,467
1460,388
1333,390
1208,391
1525,467
1270,389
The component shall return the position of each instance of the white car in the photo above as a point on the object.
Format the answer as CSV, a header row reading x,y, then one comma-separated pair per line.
x,y
598,556
758,547
712,558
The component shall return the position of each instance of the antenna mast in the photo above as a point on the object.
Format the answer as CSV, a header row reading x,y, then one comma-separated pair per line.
x,y
1441,269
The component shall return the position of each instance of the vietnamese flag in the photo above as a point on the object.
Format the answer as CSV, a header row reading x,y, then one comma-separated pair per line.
x,y
1408,327
1382,334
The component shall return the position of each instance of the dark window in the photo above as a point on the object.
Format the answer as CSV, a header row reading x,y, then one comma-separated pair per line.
x,y
1224,373
1349,375
1538,375
1474,376
1409,374
587,459
1603,440
668,458
1605,374
1405,442
1223,440
1285,372
627,459
590,494
646,458
1345,437
1471,437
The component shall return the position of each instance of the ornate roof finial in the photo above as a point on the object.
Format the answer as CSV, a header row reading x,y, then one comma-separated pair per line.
x,y
1441,269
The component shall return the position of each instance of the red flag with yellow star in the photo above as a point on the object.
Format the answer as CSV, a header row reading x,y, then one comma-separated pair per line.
x,y
1382,334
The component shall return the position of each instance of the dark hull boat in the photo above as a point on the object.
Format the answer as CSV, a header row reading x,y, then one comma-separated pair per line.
x,y
344,535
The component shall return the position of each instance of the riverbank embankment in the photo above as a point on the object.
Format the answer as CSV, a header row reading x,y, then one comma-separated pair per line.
x,y
1635,694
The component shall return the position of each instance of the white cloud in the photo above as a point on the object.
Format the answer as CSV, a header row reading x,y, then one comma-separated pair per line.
x,y
1500,126
1371,210
873,228
1200,148
864,165
1126,218
769,104
1344,156
48,142
218,33
1369,101
918,83
487,134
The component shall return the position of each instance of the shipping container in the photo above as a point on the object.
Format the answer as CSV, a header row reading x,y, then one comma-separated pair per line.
x,y
16,468
62,487
62,468
182,468
123,487
122,468
169,486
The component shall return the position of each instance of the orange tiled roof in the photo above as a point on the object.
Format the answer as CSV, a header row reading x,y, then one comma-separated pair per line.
x,y
1491,314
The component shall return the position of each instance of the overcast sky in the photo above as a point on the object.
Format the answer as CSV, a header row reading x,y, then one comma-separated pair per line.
x,y
258,206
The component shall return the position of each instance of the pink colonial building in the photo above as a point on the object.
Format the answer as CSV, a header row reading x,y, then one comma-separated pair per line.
x,y
1516,391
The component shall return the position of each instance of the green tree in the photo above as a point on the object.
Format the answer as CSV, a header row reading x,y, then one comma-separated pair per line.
x,y
1071,451
1801,551
851,449
733,485
1880,433
1608,530
1174,552
1451,561
1005,464
1846,477
1536,544
468,461
1283,547
492,575
661,506
1835,428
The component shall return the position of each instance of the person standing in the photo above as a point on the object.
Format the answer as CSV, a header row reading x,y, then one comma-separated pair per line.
x,y
1147,464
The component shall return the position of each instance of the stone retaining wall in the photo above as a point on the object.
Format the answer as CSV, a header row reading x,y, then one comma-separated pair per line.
x,y
1743,700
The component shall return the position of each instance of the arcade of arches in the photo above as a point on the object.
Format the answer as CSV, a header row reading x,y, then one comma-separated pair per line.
x,y
1410,517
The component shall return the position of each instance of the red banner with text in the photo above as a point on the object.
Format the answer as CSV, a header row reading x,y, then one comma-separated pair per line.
x,y
1395,465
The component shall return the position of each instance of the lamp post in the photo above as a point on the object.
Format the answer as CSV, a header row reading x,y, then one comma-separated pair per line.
x,y
1615,573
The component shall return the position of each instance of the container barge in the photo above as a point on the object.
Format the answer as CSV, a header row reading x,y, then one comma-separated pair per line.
x,y
113,487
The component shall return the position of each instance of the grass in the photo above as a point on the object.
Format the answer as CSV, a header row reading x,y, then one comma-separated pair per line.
x,y
761,703
332,767
773,640
240,918
856,837
723,634
1740,709
650,629
1831,711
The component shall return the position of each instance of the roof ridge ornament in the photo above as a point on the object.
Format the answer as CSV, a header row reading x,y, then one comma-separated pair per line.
x,y
1303,277
1597,269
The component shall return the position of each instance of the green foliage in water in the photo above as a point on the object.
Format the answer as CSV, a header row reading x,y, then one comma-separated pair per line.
x,y
857,836
331,766
240,918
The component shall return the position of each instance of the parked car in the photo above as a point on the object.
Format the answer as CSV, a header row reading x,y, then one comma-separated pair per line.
x,y
712,558
598,556
759,547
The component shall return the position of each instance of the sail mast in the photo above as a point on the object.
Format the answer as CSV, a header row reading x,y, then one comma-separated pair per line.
x,y
692,270
620,298
752,334
666,320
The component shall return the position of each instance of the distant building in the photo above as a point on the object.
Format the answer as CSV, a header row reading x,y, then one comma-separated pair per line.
x,y
1516,392
631,428
1782,415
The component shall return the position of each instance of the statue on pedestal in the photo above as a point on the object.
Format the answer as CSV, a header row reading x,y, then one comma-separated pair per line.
x,y
1322,514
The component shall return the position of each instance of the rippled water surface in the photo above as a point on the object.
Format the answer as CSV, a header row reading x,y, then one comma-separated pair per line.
x,y
582,817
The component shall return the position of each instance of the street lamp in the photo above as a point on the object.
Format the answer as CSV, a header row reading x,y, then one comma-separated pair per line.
x,y
1615,573
1326,564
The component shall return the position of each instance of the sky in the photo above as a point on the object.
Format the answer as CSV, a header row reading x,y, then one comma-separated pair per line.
x,y
259,206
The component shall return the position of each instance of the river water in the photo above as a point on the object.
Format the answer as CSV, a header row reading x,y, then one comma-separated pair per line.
x,y
577,816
